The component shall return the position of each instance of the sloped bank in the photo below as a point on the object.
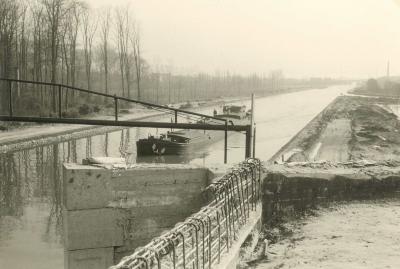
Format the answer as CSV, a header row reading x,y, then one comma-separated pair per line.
x,y
351,128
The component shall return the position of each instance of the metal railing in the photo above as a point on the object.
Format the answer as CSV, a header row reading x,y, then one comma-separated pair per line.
x,y
59,90
201,240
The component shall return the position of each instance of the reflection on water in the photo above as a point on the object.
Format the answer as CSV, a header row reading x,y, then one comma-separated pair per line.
x,y
31,180
30,206
31,194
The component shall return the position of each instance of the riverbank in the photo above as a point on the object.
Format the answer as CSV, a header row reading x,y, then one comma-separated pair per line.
x,y
351,128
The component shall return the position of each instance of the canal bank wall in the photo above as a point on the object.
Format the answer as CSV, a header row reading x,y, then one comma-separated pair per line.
x,y
289,191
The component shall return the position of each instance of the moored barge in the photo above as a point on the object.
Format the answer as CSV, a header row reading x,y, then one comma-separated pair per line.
x,y
183,142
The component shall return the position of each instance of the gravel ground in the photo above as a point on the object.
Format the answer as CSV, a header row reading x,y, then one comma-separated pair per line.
x,y
353,235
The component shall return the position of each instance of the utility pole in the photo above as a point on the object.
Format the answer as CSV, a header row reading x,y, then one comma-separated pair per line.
x,y
252,142
388,70
169,88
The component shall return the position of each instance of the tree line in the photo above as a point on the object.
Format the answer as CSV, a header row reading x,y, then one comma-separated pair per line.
x,y
67,42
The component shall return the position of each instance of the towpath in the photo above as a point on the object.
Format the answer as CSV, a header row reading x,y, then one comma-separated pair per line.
x,y
333,144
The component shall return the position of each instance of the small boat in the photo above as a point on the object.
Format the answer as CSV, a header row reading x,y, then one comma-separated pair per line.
x,y
233,112
182,142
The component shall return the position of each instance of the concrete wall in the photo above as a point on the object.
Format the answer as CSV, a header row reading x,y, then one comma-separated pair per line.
x,y
288,191
108,213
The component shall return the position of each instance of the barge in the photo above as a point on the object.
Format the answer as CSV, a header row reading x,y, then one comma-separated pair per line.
x,y
183,142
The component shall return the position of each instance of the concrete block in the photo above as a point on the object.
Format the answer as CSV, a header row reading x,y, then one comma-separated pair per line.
x,y
99,258
93,228
158,176
124,209
175,195
86,187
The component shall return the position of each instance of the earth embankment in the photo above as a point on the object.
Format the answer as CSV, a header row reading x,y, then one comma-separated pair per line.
x,y
351,128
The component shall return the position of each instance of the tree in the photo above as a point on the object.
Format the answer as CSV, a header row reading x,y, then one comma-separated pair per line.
x,y
9,10
54,12
137,58
89,30
104,46
37,65
121,24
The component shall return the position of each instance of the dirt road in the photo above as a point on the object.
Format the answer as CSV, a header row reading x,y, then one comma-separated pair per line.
x,y
334,142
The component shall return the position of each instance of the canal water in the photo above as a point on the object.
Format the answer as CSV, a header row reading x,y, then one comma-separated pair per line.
x,y
31,180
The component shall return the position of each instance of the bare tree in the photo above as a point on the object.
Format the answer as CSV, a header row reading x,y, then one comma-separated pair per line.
x,y
89,29
38,36
22,43
121,44
9,10
104,46
76,10
8,27
54,12
137,58
124,32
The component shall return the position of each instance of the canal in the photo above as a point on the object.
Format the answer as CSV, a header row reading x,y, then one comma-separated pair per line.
x,y
31,180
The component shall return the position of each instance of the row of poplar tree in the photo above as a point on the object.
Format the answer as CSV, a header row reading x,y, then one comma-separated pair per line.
x,y
67,42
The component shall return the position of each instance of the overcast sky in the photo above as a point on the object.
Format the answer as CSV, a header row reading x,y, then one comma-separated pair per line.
x,y
349,38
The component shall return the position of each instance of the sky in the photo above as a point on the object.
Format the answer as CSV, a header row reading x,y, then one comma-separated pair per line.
x,y
303,38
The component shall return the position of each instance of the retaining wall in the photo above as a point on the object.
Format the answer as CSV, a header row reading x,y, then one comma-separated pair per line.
x,y
289,191
108,213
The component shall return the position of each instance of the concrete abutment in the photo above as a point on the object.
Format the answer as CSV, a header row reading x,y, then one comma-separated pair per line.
x,y
109,213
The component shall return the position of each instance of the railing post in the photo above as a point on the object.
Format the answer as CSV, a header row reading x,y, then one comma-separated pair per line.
x,y
176,116
226,143
59,101
252,118
254,142
10,105
248,142
116,107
